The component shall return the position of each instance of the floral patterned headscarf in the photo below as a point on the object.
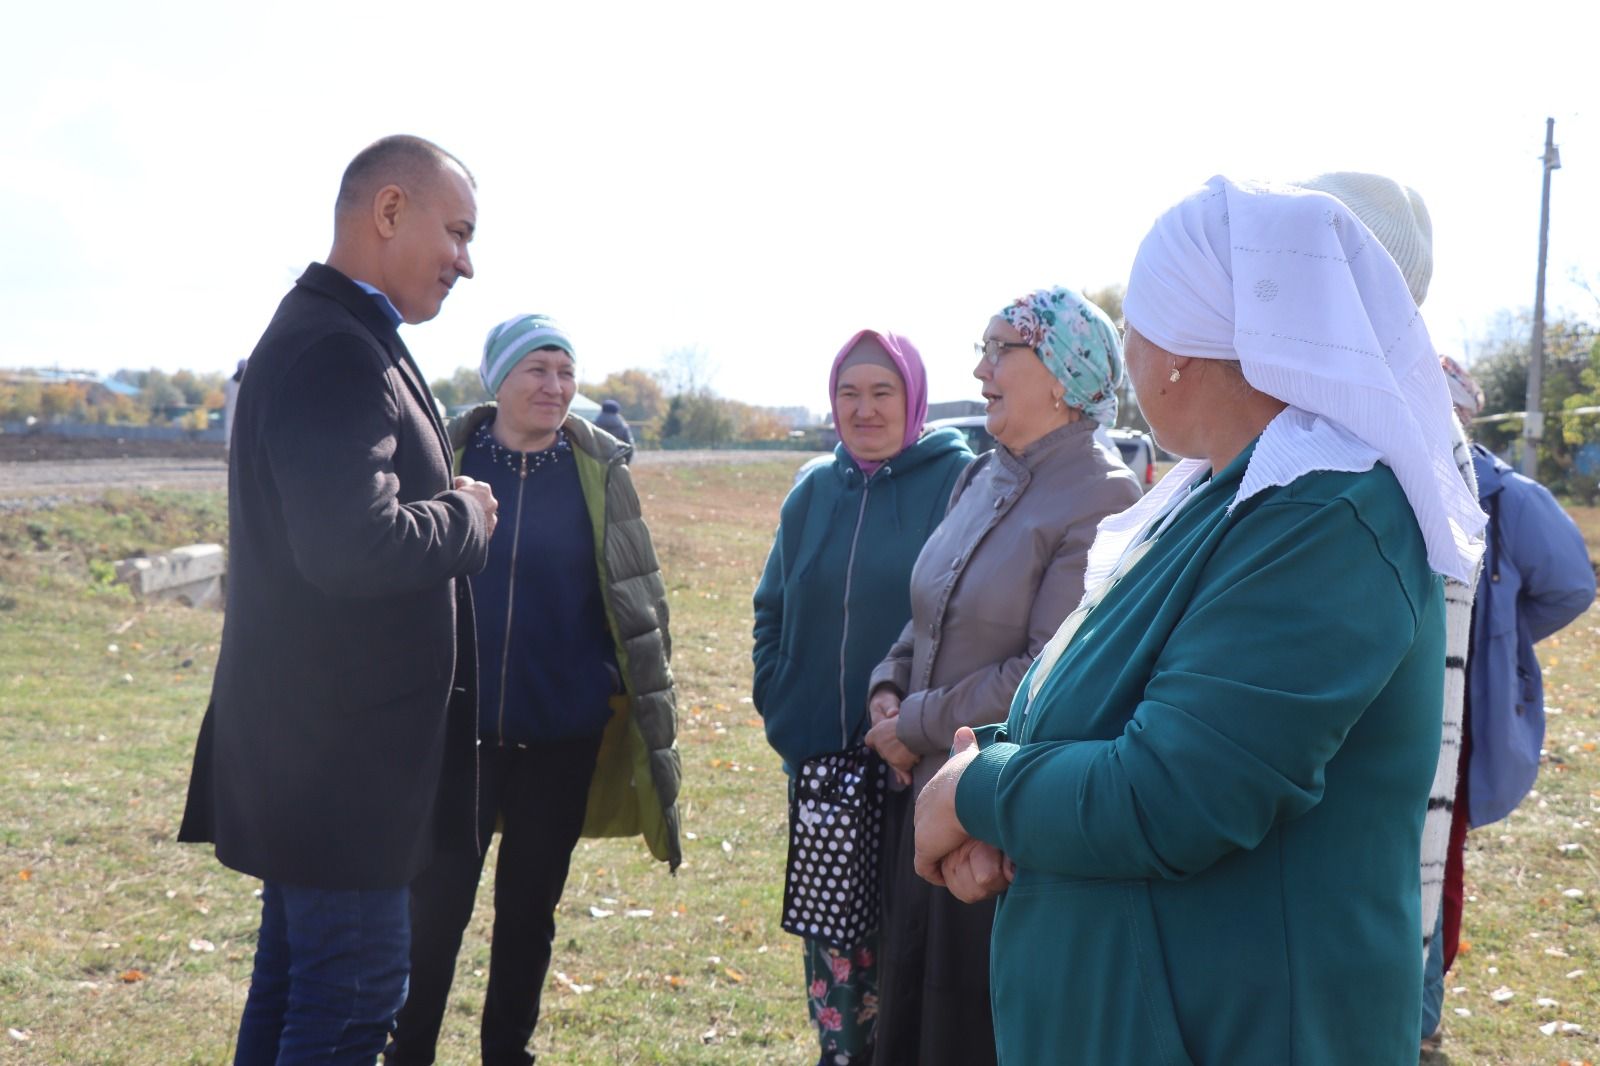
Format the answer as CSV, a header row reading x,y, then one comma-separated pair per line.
x,y
1079,345
1466,396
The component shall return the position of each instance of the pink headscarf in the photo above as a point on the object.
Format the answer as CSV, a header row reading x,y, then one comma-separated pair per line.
x,y
908,364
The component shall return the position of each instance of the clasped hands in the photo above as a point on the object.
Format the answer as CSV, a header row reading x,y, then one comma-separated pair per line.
x,y
884,707
945,853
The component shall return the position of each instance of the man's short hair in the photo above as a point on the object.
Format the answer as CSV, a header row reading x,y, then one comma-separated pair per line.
x,y
409,162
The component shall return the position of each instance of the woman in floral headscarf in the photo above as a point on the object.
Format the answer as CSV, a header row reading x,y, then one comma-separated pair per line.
x,y
989,588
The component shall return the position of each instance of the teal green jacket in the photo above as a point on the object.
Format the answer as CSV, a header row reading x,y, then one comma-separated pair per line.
x,y
1215,800
836,590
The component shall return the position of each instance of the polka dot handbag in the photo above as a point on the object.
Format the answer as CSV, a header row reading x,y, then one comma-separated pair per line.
x,y
835,838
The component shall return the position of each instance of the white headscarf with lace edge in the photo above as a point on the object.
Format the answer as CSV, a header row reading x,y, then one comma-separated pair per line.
x,y
1291,284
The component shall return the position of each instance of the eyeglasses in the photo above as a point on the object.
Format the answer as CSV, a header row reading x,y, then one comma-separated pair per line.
x,y
992,348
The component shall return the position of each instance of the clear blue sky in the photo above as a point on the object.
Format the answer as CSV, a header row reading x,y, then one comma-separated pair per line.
x,y
757,180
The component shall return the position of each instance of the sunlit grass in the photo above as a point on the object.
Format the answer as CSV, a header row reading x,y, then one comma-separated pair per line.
x,y
119,946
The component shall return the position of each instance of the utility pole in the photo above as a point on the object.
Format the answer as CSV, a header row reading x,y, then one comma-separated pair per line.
x,y
1533,423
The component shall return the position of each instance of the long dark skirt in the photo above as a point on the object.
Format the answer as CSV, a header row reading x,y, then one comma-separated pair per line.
x,y
933,981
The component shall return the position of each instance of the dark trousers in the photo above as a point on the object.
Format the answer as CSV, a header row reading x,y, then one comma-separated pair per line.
x,y
538,795
330,972
1454,898
933,956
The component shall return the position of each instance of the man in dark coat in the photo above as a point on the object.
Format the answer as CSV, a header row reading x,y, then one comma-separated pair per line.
x,y
346,676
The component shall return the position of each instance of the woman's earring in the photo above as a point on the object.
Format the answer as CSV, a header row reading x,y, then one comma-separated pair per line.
x,y
1175,375
1058,403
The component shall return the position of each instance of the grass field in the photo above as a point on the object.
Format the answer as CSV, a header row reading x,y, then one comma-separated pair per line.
x,y
119,946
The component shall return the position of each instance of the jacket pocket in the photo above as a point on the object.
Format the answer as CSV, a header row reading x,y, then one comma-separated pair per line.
x,y
1078,975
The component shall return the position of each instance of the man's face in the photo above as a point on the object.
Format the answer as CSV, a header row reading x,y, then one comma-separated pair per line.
x,y
428,252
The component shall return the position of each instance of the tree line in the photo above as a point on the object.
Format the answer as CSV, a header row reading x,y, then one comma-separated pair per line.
x,y
130,398
674,406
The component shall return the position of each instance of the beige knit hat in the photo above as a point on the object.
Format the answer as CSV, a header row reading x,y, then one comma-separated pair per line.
x,y
1394,213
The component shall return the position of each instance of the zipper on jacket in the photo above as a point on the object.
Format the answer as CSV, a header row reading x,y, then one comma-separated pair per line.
x,y
511,599
844,639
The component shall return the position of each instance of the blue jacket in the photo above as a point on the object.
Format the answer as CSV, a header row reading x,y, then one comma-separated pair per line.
x,y
836,590
1536,579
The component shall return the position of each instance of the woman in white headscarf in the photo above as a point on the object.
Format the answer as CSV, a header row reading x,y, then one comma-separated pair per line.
x,y
1205,808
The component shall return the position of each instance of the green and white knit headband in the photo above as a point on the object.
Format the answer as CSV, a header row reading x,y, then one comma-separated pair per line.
x,y
514,338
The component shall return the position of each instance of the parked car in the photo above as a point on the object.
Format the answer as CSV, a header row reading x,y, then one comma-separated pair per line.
x,y
1138,449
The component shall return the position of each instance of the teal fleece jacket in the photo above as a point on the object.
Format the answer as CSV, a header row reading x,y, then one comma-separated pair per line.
x,y
1215,799
836,590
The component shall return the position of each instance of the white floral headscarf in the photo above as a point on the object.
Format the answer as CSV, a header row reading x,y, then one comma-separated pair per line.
x,y
1079,345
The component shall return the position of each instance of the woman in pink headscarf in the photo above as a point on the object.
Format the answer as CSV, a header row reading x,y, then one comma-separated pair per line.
x,y
835,596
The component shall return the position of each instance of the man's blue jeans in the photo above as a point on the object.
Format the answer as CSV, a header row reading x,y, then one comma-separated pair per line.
x,y
330,974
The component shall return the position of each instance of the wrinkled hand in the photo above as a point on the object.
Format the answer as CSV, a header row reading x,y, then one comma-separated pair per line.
x,y
975,871
883,739
885,703
939,832
480,491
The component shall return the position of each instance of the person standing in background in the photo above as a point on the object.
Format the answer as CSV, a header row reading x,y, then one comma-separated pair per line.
x,y
1536,579
612,422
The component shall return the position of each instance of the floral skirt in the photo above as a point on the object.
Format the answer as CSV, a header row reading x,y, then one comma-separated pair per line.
x,y
842,994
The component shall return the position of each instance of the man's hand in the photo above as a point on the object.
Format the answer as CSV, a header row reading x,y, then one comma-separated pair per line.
x,y
939,832
480,491
883,739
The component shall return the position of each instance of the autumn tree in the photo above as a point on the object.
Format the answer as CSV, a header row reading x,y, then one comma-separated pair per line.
x,y
638,392
460,389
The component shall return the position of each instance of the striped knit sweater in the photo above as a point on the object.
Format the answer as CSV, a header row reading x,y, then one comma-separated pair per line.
x,y
1442,798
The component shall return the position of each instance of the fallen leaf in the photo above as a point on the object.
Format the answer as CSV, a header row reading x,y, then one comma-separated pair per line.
x,y
1574,974
1502,995
733,975
21,1036
131,976
204,946
25,875
570,985
597,912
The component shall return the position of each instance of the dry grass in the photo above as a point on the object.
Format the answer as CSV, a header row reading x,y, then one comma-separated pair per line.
x,y
119,946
